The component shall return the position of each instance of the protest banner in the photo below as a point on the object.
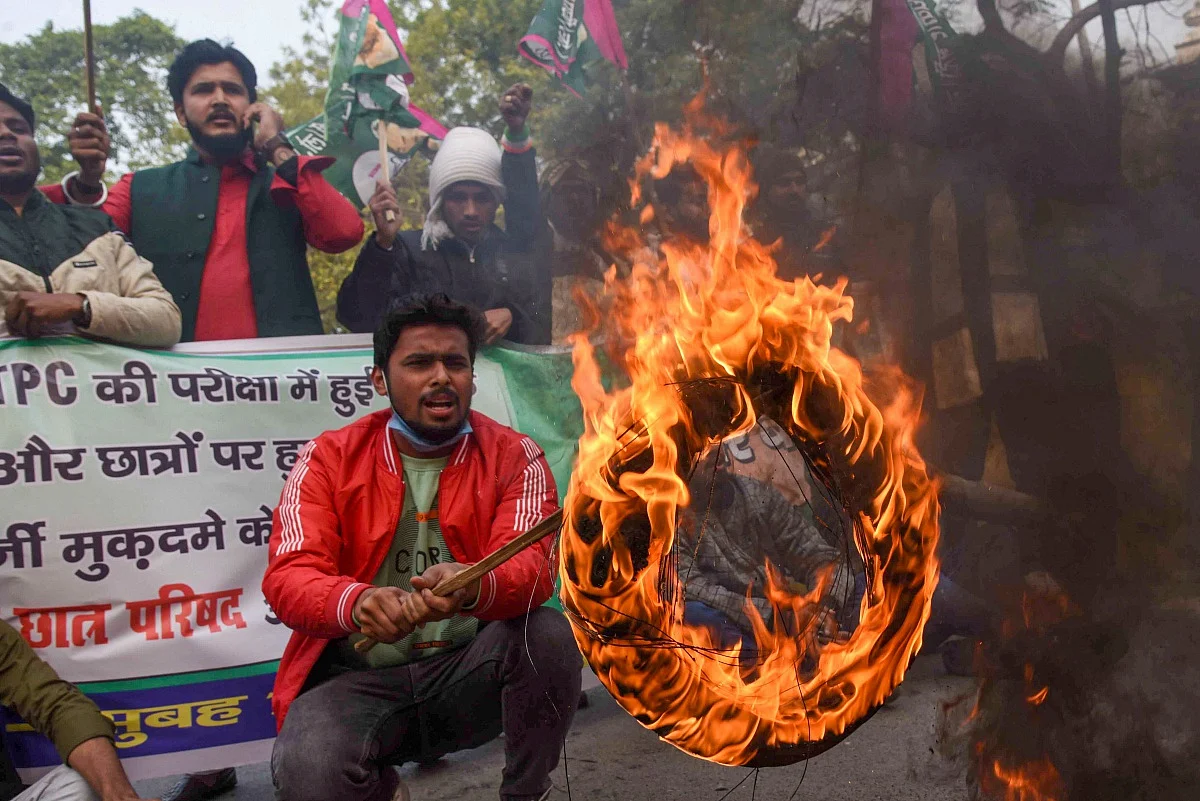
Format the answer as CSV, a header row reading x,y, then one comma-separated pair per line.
x,y
136,490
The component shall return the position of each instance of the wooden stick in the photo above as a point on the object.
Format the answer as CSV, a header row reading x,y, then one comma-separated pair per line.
x,y
977,500
385,165
89,57
487,564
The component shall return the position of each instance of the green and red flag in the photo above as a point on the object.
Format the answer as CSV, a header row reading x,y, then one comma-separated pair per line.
x,y
368,88
566,35
913,50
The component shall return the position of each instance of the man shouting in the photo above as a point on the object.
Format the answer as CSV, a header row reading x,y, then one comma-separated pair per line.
x,y
372,518
65,270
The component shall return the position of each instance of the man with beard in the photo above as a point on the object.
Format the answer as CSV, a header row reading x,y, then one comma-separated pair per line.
x,y
782,212
372,518
571,243
227,226
65,270
680,203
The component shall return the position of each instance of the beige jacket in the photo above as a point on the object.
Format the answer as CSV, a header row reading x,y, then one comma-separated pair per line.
x,y
129,304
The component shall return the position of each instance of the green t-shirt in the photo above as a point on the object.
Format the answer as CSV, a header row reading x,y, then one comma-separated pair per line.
x,y
417,545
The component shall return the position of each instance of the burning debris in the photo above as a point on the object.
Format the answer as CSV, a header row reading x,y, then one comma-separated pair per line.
x,y
1080,703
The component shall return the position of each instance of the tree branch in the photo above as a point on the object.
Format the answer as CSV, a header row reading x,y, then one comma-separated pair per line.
x,y
1058,48
1112,84
993,26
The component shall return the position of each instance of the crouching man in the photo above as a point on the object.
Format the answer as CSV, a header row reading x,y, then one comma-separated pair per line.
x,y
375,515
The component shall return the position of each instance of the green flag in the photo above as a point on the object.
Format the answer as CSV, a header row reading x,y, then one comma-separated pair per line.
x,y
568,34
368,87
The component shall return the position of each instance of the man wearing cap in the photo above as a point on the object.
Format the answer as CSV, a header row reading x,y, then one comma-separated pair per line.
x,y
461,252
67,270
571,243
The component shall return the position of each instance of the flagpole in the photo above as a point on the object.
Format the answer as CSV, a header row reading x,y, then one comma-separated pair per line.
x,y
89,57
384,161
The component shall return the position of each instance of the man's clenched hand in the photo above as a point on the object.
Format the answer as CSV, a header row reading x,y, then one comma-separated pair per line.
x,y
422,606
30,314
515,104
380,614
496,322
89,144
383,201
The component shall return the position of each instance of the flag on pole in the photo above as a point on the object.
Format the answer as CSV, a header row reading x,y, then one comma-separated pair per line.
x,y
368,88
568,34
913,51
370,75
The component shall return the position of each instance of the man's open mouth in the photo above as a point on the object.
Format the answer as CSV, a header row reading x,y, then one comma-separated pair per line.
x,y
11,157
441,404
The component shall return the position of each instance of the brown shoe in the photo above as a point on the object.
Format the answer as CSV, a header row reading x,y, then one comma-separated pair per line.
x,y
202,786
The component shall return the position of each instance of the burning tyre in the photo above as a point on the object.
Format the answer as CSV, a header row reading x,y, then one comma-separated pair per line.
x,y
715,346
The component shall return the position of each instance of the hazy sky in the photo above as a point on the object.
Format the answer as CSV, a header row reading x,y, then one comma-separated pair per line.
x,y
262,28
259,28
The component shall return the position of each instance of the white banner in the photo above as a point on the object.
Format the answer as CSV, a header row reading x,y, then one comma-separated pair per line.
x,y
136,490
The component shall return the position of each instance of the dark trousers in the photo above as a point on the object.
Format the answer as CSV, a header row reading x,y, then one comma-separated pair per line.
x,y
521,676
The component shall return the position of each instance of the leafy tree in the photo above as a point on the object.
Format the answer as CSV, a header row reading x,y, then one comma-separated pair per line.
x,y
464,54
132,57
778,69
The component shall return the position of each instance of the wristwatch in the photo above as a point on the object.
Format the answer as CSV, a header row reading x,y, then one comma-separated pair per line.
x,y
84,318
274,143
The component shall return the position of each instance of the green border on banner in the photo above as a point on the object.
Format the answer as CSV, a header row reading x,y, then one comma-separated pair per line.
x,y
290,354
179,679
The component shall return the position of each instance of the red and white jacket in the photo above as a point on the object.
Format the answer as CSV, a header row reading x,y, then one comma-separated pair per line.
x,y
338,514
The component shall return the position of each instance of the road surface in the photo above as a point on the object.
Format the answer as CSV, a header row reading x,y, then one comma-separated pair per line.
x,y
612,758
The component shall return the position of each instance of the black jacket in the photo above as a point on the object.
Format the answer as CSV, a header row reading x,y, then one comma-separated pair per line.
x,y
502,271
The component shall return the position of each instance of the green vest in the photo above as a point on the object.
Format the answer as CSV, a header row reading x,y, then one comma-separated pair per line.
x,y
173,211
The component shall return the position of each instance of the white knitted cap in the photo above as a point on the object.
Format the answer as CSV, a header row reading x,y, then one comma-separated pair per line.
x,y
466,154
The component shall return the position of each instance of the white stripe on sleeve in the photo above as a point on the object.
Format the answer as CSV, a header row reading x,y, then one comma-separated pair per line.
x,y
533,490
292,537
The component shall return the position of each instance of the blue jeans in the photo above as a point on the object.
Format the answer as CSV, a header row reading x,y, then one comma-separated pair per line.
x,y
952,611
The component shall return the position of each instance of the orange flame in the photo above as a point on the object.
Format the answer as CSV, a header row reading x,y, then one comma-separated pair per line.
x,y
1034,781
716,311
826,238
1015,761
1035,697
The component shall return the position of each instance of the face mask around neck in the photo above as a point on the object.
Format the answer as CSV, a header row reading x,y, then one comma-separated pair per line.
x,y
421,444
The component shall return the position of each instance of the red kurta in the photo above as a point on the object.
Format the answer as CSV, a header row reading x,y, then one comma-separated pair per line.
x,y
226,307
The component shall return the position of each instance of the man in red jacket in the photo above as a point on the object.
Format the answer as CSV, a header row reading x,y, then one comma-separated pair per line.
x,y
372,517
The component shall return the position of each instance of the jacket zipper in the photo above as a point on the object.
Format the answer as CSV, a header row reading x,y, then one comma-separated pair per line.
x,y
31,243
